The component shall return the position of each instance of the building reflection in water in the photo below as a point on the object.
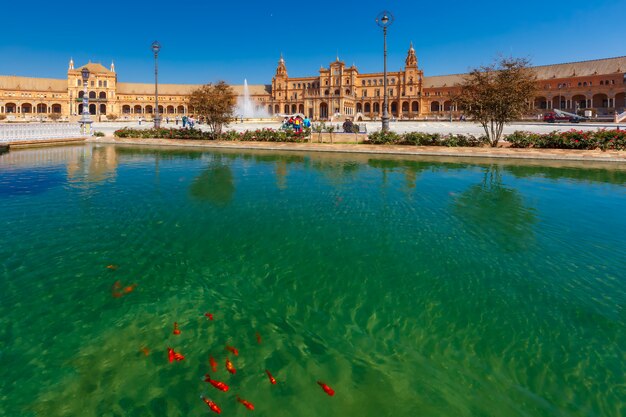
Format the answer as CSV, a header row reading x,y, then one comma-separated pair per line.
x,y
84,163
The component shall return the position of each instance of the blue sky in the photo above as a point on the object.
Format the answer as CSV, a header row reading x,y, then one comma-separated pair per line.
x,y
207,40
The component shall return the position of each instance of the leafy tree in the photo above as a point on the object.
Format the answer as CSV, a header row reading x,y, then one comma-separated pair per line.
x,y
497,94
215,103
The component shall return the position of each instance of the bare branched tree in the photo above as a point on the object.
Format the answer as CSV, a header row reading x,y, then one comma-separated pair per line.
x,y
498,94
215,103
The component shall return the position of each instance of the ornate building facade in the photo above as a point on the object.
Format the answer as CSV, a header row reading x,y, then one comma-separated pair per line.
x,y
334,92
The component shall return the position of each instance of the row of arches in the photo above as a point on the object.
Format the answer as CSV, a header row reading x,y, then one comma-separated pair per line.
x,y
93,95
138,109
580,101
40,108
94,109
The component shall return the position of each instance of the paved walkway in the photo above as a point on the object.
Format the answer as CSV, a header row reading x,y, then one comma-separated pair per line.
x,y
531,154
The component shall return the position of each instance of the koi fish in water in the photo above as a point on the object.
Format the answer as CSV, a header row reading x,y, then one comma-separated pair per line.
x,y
176,330
271,378
328,390
208,316
211,405
145,351
115,290
118,290
246,404
112,267
213,364
233,350
258,338
217,384
174,356
229,366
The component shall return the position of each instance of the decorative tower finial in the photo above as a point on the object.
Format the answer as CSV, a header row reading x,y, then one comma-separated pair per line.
x,y
281,70
112,66
411,59
71,64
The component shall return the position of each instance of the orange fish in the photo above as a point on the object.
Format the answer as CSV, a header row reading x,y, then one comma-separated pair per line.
x,y
272,379
117,285
246,404
328,390
145,351
112,267
129,288
176,331
213,364
209,316
230,367
217,384
233,350
258,338
211,405
174,356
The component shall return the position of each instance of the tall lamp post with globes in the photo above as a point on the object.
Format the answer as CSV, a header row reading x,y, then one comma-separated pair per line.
x,y
85,120
384,20
156,47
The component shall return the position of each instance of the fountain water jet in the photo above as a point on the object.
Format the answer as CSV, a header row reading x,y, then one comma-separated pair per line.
x,y
246,108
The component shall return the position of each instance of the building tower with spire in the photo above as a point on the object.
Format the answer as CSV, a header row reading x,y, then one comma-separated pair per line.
x,y
280,82
412,75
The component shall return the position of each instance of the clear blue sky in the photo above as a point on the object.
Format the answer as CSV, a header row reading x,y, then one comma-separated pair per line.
x,y
209,40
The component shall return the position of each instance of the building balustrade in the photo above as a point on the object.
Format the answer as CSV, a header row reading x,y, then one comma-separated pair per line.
x,y
26,132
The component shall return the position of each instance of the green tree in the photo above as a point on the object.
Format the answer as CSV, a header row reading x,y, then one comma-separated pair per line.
x,y
497,94
215,103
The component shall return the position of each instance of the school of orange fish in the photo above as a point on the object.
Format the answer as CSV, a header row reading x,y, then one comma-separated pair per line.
x,y
119,290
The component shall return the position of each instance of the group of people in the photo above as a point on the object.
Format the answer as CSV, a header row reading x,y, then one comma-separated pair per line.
x,y
296,123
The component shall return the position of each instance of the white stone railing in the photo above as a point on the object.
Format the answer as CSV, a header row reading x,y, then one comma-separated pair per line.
x,y
620,117
24,132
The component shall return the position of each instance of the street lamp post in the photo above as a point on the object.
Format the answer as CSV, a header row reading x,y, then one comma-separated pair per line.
x,y
156,47
85,120
384,20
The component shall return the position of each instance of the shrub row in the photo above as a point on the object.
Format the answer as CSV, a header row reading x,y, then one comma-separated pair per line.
x,y
259,135
162,133
267,135
426,139
573,139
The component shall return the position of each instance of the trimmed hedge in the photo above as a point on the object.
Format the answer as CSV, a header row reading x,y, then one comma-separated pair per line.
x,y
259,135
426,139
573,139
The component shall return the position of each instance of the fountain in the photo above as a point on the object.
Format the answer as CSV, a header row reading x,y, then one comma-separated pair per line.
x,y
246,108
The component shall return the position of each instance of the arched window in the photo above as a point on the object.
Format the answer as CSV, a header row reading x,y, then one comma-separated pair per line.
x,y
92,94
81,94
337,92
102,94
78,82
105,83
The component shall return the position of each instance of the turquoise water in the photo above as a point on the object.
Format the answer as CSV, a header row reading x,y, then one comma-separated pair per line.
x,y
411,287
